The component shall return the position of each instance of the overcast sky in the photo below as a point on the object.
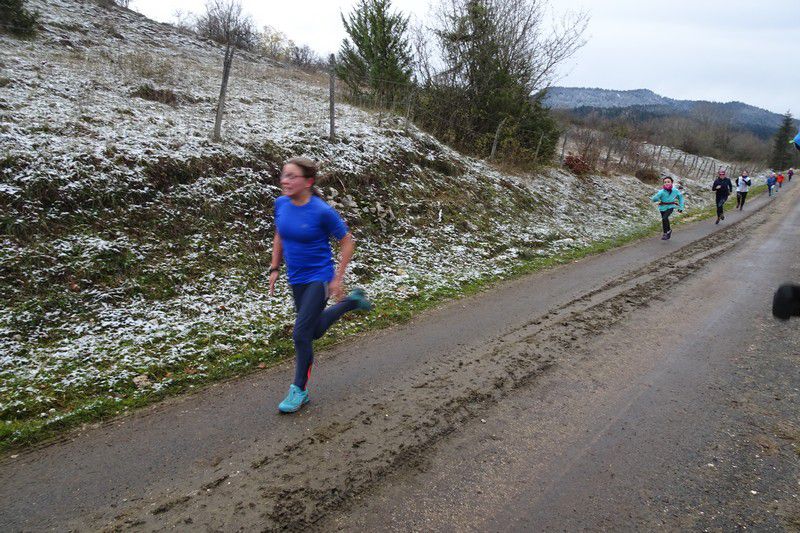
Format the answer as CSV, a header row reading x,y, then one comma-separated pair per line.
x,y
719,50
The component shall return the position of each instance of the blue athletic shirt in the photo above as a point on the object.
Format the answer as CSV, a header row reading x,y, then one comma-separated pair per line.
x,y
305,233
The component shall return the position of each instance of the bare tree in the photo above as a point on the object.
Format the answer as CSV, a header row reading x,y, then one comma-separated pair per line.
x,y
527,46
225,23
547,50
421,49
303,57
184,21
273,43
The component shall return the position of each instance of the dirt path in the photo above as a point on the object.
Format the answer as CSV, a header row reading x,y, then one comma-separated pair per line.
x,y
695,426
389,405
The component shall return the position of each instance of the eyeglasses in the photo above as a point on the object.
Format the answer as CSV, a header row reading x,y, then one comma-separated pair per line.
x,y
291,176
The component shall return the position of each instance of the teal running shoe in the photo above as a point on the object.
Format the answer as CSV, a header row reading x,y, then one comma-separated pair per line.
x,y
361,299
294,400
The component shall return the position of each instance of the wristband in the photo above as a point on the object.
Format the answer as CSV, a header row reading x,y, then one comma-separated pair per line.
x,y
274,269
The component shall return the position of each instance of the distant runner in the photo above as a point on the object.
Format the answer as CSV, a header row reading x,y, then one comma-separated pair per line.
x,y
304,224
771,182
743,183
668,198
722,187
780,179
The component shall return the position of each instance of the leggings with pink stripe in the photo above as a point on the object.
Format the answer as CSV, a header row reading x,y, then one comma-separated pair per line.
x,y
313,320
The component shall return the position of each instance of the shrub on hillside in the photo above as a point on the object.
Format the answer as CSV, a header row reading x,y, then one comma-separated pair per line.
x,y
17,20
648,175
164,96
138,65
576,165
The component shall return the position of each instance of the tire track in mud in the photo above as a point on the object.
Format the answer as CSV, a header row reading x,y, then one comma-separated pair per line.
x,y
294,487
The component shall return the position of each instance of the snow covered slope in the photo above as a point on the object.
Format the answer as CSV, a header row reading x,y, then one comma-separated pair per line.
x,y
133,250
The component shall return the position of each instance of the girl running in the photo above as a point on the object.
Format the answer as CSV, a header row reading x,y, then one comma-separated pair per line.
x,y
667,198
771,181
743,183
722,187
304,224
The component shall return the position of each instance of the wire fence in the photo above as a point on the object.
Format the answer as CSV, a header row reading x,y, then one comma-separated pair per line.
x,y
605,151
602,151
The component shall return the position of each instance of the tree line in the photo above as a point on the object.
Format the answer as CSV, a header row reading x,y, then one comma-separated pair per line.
x,y
475,76
701,132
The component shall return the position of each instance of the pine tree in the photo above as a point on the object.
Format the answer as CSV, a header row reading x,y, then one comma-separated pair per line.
x,y
482,98
781,152
376,57
473,48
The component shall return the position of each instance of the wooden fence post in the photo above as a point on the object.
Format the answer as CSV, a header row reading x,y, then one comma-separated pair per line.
x,y
538,146
408,108
332,92
497,137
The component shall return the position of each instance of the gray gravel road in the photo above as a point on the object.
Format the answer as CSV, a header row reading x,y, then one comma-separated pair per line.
x,y
594,395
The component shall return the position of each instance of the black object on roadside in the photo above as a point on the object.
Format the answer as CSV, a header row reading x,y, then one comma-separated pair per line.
x,y
786,302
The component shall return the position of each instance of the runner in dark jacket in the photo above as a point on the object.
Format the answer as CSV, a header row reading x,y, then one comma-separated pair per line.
x,y
722,187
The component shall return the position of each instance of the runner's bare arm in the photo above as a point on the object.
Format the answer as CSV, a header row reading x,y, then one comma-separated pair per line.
x,y
348,246
275,264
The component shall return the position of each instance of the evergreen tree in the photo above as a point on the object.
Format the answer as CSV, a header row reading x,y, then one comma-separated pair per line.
x,y
782,151
482,99
17,20
376,57
472,46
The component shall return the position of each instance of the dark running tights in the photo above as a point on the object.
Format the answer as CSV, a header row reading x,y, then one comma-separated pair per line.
x,y
740,198
720,206
665,220
313,320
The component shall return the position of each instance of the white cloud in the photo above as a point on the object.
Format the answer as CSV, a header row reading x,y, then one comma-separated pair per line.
x,y
710,50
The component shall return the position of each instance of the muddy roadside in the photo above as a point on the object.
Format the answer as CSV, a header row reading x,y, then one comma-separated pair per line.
x,y
682,416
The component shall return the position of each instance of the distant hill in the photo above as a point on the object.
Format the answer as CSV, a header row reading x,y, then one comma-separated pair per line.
x,y
644,103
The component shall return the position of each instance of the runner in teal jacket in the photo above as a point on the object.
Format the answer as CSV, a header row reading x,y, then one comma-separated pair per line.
x,y
668,198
